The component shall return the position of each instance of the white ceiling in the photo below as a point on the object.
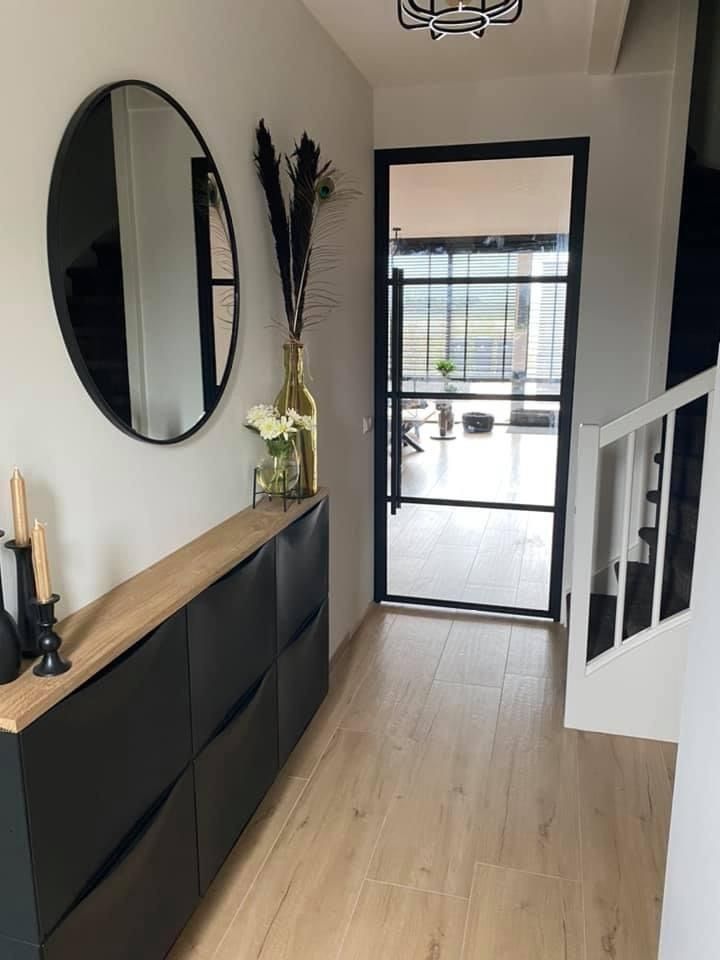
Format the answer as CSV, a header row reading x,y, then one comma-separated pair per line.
x,y
551,37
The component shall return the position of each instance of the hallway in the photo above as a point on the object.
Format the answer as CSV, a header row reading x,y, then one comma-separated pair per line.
x,y
436,809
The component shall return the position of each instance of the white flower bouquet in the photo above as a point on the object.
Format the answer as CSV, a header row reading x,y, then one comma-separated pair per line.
x,y
279,472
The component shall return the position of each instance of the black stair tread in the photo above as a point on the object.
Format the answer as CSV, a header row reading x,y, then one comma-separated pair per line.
x,y
653,496
675,542
641,583
691,461
601,632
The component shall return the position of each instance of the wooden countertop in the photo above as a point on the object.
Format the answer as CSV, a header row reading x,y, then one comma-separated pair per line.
x,y
103,630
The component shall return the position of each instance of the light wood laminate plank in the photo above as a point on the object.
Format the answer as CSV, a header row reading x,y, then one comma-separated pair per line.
x,y
625,811
418,537
392,923
104,629
391,698
212,918
669,752
347,673
530,819
304,898
476,652
516,916
403,573
444,574
429,839
538,651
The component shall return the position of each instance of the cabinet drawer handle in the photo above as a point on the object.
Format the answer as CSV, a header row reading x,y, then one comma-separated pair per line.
x,y
242,706
130,842
307,623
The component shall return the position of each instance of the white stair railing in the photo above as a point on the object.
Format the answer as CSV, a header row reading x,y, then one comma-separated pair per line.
x,y
593,439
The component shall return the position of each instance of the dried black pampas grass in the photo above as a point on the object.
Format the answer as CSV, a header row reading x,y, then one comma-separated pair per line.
x,y
306,236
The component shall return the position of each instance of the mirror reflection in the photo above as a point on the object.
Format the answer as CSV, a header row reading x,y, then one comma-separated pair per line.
x,y
143,262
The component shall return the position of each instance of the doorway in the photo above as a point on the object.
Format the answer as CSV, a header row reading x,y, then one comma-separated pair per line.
x,y
478,264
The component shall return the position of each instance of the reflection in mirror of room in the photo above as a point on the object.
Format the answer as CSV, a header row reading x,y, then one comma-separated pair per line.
x,y
146,261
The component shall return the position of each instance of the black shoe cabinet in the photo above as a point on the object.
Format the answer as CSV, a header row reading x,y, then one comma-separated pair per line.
x,y
119,804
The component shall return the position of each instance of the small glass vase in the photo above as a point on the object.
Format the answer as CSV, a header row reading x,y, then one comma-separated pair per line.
x,y
278,474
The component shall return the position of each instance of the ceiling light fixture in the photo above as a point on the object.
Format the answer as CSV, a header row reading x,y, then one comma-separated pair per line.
x,y
461,19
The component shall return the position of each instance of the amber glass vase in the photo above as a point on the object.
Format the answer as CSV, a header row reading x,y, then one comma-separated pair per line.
x,y
296,396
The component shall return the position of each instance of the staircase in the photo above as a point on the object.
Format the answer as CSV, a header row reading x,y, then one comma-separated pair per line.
x,y
95,300
627,644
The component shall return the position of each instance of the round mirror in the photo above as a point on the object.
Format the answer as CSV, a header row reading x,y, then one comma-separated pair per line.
x,y
143,262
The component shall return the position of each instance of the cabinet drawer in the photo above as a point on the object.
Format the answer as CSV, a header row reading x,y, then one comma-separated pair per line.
x,y
302,571
231,631
18,950
139,907
233,773
302,681
96,762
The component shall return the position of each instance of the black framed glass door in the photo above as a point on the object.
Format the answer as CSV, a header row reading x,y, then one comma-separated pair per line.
x,y
475,348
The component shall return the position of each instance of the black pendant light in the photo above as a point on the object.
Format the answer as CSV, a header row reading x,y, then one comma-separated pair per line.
x,y
443,19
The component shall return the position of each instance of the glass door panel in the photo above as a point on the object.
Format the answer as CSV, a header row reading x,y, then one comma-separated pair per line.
x,y
478,338
470,555
494,451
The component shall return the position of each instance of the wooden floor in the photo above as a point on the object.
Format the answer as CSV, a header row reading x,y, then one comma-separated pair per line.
x,y
436,809
470,554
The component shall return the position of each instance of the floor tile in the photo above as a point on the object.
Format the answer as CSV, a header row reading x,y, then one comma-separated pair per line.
x,y
216,911
430,835
530,819
348,671
625,802
476,652
391,698
517,916
538,650
392,923
304,898
445,572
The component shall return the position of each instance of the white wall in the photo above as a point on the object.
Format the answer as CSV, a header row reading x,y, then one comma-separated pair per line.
x,y
161,148
472,198
627,119
115,504
691,919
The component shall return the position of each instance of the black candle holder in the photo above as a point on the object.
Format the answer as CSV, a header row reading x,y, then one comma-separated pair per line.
x,y
52,664
9,641
27,621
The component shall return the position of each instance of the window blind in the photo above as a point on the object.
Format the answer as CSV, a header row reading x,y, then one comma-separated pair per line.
x,y
478,320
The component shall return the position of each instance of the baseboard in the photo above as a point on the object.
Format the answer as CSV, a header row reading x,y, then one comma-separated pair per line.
x,y
351,634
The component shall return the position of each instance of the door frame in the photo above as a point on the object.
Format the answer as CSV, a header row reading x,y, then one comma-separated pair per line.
x,y
579,149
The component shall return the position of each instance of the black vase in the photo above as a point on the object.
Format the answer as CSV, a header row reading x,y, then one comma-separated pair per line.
x,y
9,643
9,648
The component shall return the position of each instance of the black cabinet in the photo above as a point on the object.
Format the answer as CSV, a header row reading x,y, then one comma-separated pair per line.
x,y
233,774
95,763
231,629
18,950
302,681
119,805
139,907
302,571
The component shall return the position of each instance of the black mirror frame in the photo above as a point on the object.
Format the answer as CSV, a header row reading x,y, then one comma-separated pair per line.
x,y
57,281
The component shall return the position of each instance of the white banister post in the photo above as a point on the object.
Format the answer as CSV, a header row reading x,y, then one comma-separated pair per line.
x,y
663,510
710,439
625,541
588,459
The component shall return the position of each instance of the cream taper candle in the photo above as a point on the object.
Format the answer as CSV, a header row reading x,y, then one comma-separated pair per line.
x,y
19,508
40,563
